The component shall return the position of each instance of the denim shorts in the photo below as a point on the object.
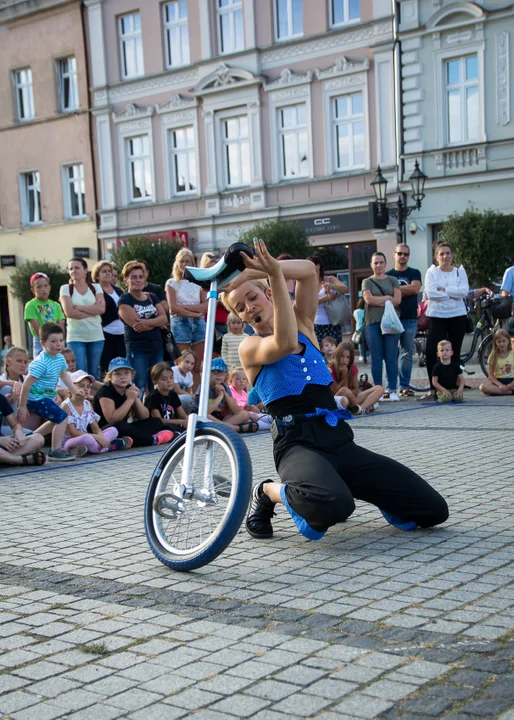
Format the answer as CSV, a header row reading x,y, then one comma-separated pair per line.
x,y
47,409
188,331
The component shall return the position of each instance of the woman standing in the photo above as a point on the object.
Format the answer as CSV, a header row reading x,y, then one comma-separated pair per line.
x,y
376,290
83,304
446,287
143,316
187,304
114,345
328,289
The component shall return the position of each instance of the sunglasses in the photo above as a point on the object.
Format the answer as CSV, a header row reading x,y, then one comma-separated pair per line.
x,y
403,253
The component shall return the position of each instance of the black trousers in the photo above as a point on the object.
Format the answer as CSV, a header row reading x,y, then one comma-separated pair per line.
x,y
114,346
326,471
141,431
452,329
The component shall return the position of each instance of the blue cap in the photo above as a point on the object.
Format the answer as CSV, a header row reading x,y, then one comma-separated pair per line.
x,y
219,364
119,363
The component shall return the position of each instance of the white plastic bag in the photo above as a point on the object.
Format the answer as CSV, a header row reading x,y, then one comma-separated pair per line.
x,y
390,324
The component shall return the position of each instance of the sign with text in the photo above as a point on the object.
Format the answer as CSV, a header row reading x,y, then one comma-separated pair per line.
x,y
7,260
82,252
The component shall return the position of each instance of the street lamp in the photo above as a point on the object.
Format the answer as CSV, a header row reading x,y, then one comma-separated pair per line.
x,y
402,211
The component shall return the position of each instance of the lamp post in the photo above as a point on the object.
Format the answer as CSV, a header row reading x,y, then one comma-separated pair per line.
x,y
402,211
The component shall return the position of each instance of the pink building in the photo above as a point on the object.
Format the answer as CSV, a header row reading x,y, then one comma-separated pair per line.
x,y
47,202
212,115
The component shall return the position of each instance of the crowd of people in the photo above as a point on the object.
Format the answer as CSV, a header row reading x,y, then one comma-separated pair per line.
x,y
102,377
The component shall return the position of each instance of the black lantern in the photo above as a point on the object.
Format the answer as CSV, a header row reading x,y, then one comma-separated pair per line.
x,y
379,186
401,211
417,181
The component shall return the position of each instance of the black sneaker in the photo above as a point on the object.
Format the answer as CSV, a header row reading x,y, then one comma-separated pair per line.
x,y
258,522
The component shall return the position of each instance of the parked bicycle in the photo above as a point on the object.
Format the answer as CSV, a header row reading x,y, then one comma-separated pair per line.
x,y
199,492
494,309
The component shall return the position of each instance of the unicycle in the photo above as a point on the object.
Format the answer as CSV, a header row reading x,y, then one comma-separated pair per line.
x,y
199,492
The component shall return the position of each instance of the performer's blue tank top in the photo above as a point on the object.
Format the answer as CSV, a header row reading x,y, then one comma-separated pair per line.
x,y
291,374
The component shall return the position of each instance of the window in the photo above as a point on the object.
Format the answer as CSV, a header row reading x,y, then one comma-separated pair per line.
x,y
230,25
236,151
176,34
289,18
348,119
74,191
462,99
294,141
68,84
139,168
183,160
24,94
131,45
30,198
344,11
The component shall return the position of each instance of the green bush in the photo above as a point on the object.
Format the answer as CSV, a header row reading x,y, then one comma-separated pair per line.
x,y
19,283
158,253
287,237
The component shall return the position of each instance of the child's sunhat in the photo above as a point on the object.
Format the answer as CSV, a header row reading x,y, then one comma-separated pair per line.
x,y
38,276
118,363
79,375
219,364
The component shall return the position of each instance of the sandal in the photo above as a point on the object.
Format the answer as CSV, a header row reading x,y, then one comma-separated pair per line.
x,y
248,427
38,458
427,396
407,392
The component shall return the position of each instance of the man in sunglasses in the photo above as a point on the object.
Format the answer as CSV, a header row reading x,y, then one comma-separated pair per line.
x,y
410,284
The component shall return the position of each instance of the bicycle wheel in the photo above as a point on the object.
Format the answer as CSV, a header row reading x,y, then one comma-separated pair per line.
x,y
189,533
483,353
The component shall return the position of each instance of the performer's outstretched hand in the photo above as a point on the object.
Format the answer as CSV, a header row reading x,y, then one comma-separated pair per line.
x,y
262,261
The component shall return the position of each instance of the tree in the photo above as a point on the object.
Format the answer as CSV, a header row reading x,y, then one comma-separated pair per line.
x,y
20,279
483,242
288,237
159,254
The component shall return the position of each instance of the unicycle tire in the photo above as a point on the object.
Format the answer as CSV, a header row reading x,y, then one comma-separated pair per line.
x,y
195,537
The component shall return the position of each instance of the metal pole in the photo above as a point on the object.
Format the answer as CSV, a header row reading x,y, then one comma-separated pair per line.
x,y
400,220
207,357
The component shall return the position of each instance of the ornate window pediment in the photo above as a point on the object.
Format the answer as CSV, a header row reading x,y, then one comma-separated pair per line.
x,y
133,112
342,66
455,14
289,78
177,102
225,78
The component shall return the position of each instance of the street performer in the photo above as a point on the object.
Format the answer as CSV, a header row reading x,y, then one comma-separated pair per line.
x,y
321,469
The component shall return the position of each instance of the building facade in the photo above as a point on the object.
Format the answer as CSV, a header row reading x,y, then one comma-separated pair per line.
x,y
457,69
47,200
212,115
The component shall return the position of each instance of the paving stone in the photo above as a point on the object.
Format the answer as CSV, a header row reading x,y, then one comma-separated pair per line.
x,y
389,690
361,706
272,690
160,711
427,705
487,708
301,705
53,687
134,699
42,711
240,705
17,700
502,687
331,688
193,699
75,700
472,678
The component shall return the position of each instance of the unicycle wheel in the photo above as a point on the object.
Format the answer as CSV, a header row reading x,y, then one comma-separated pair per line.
x,y
188,532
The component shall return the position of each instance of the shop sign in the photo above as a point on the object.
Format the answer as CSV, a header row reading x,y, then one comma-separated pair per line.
x,y
82,252
329,224
7,261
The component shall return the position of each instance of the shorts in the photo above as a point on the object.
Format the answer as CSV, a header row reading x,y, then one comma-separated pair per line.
x,y
188,331
506,381
47,409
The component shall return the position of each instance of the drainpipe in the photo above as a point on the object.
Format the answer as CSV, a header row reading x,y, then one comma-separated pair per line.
x,y
398,114
99,248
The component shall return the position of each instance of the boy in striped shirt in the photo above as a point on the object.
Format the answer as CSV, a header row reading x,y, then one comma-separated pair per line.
x,y
39,389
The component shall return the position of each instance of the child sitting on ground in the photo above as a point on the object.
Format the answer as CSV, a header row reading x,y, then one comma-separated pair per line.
x,y
500,366
18,449
328,347
232,340
39,389
222,407
118,400
447,377
346,383
11,381
163,402
41,309
183,377
78,440
238,384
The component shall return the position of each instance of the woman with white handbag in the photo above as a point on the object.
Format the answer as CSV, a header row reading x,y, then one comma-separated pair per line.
x,y
382,341
330,289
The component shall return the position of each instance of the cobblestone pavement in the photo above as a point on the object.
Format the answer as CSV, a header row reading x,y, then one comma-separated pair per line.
x,y
368,623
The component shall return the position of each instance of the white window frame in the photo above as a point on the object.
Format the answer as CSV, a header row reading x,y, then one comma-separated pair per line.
x,y
346,13
440,59
24,87
78,170
188,152
25,189
144,158
233,7
71,76
132,39
290,35
295,130
222,145
350,120
181,25
461,87
132,125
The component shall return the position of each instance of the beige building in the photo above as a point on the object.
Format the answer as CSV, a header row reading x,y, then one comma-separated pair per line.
x,y
212,115
47,202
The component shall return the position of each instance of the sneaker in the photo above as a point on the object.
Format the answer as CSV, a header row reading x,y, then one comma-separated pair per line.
x,y
355,409
162,437
60,455
127,442
394,397
79,451
258,522
117,444
405,525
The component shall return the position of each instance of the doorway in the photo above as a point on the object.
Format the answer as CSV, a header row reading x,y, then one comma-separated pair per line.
x,y
353,259
5,321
